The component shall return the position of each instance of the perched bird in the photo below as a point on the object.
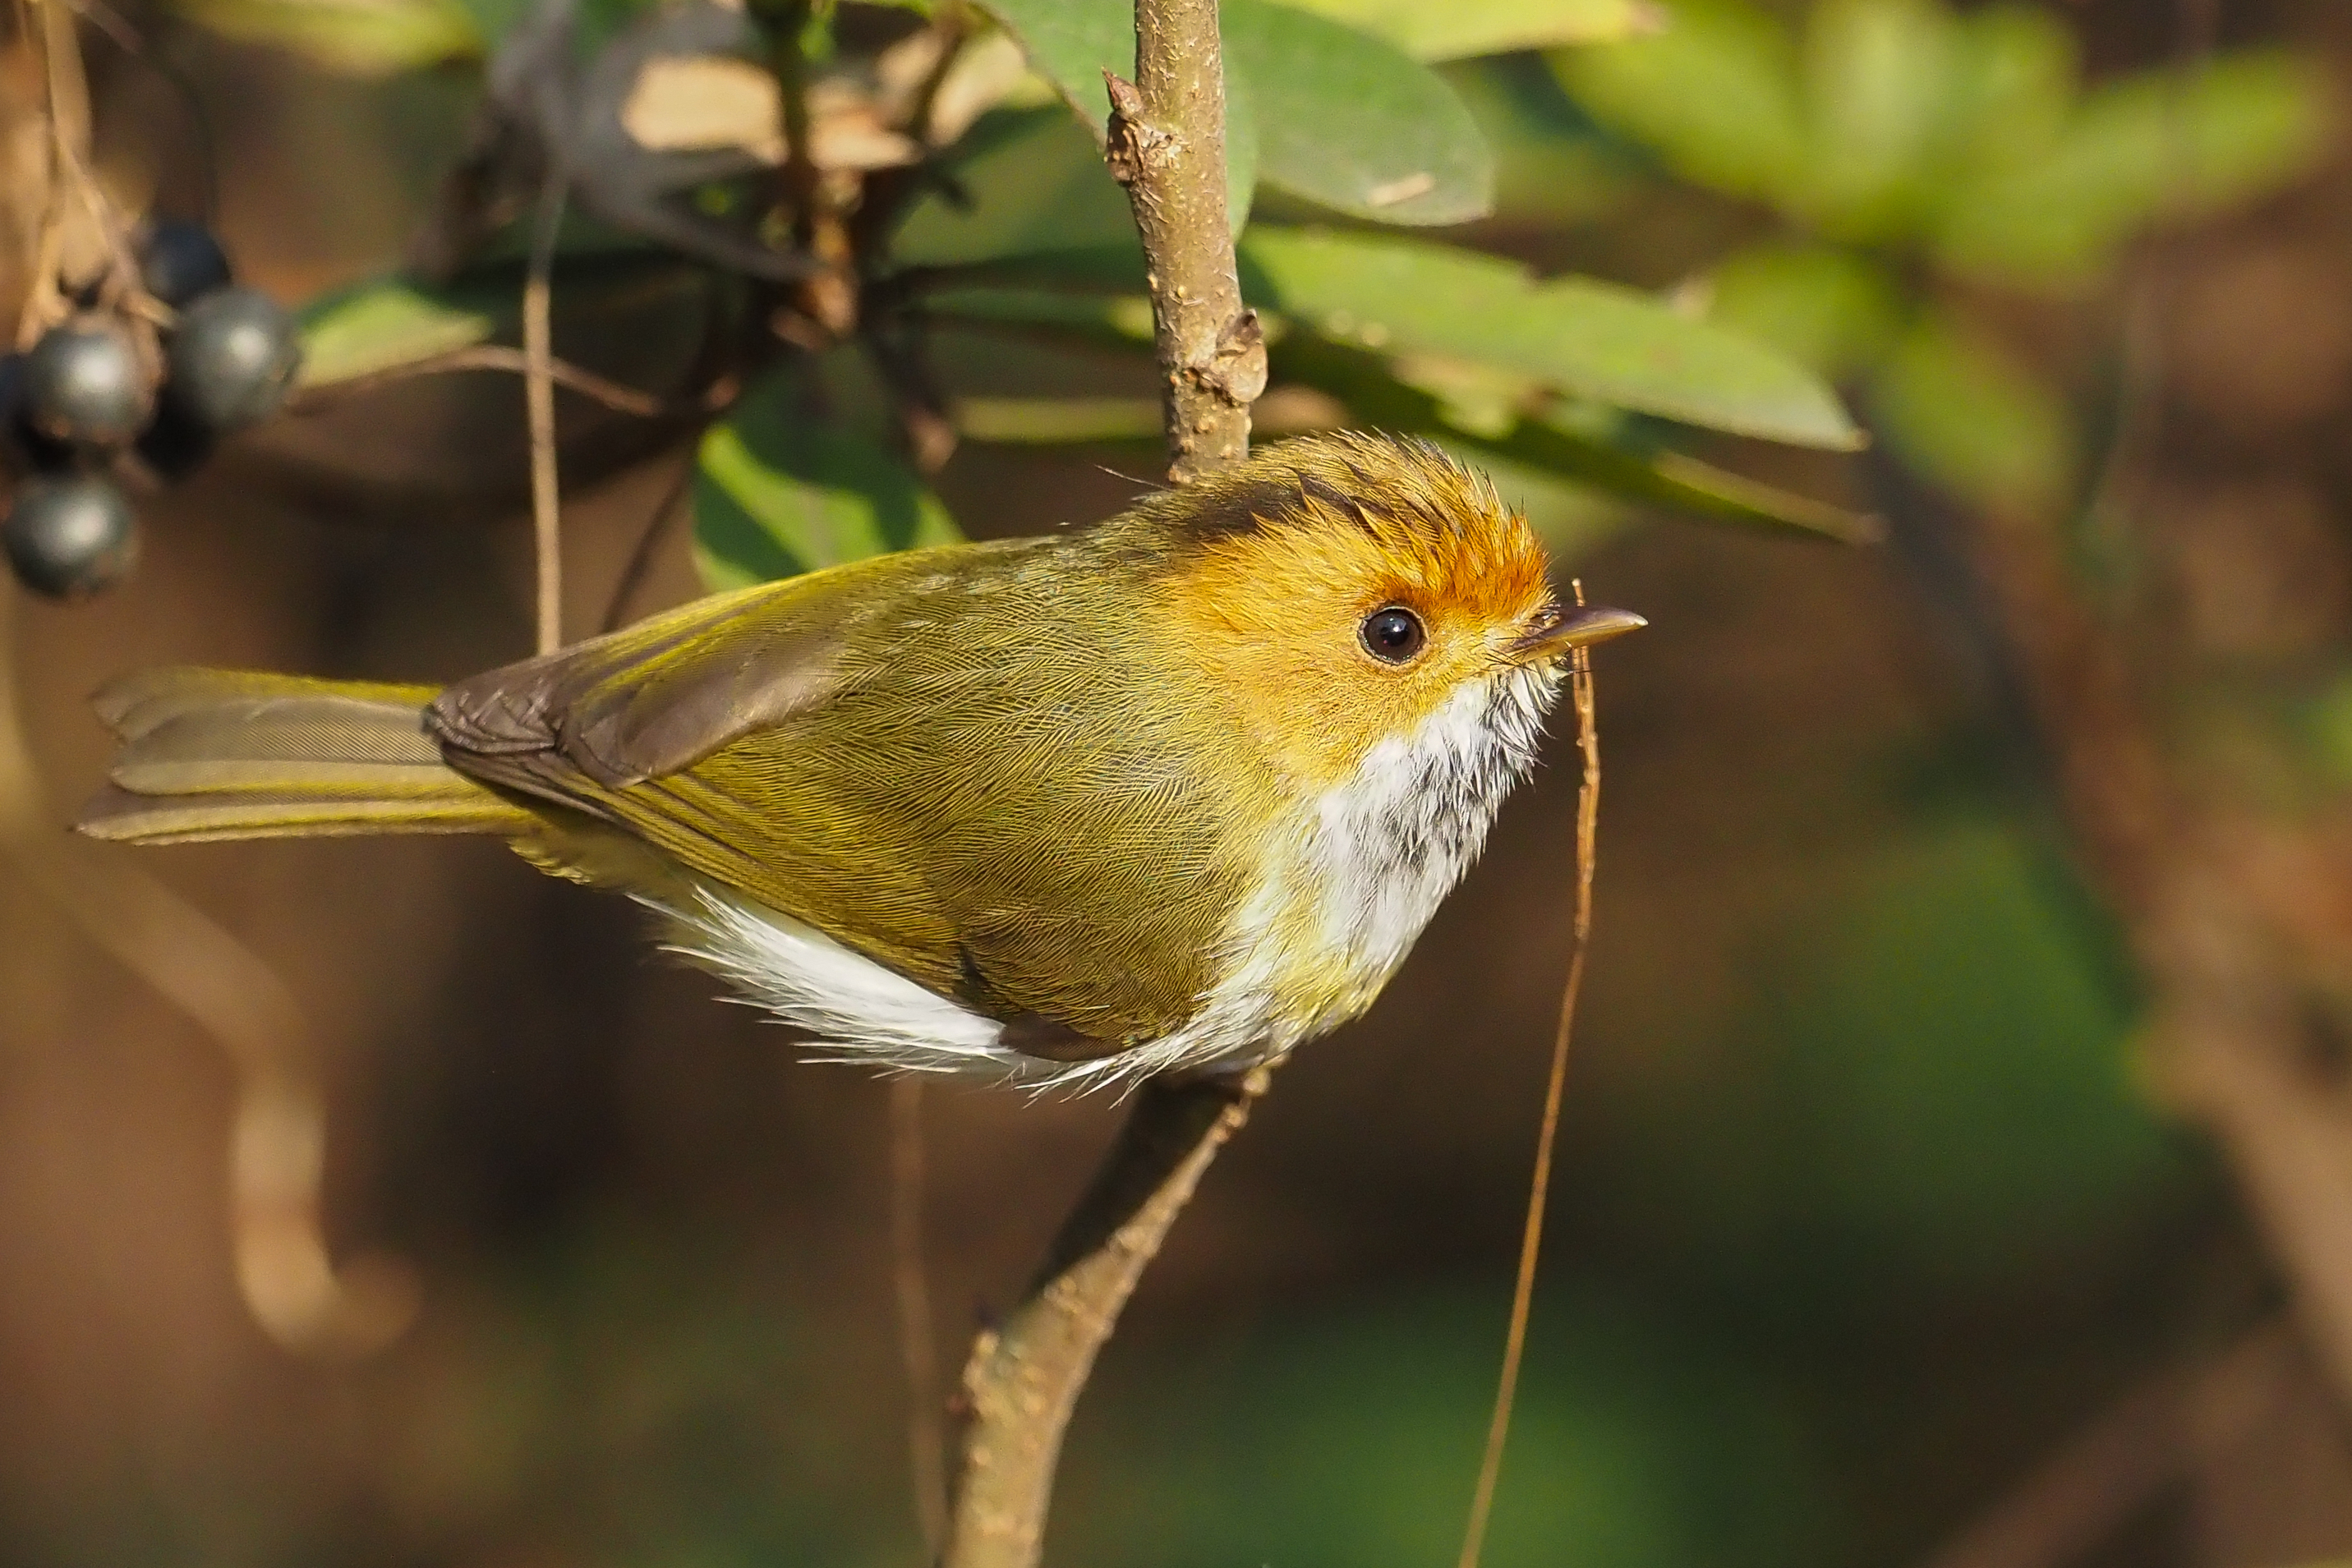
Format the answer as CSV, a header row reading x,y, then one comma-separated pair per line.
x,y
1175,792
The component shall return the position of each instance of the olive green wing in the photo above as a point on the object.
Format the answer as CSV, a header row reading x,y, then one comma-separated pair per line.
x,y
574,726
916,756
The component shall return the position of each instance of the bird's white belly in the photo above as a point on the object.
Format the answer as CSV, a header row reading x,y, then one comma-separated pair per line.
x,y
1365,867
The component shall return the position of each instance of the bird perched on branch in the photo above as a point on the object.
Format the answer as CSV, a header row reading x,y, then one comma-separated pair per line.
x,y
1175,791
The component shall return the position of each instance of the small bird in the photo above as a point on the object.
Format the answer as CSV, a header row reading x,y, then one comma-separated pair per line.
x,y
1176,792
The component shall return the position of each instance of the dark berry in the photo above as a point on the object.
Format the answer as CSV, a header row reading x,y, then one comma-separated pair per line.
x,y
23,449
181,262
233,356
84,383
70,536
174,445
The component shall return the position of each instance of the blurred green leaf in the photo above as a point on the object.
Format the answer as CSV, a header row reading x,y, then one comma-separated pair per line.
x,y
363,38
1552,166
1459,29
1971,419
1057,421
1587,339
1832,309
1028,183
1111,320
1325,111
631,291
1072,42
1714,92
2137,153
1348,122
1378,396
2013,83
1877,80
379,325
1477,407
779,492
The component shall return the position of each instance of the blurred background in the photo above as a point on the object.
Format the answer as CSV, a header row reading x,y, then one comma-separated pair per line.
x,y
1908,1210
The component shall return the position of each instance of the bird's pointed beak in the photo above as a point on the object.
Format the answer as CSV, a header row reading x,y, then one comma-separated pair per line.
x,y
1573,626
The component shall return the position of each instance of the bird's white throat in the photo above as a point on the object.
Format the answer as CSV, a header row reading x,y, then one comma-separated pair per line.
x,y
1369,863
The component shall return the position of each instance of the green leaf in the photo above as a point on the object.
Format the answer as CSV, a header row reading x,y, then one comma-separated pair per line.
x,y
1319,109
1462,29
1714,91
2142,151
1350,121
1477,407
363,37
1586,451
1553,167
1057,421
379,325
1033,183
779,492
1832,309
603,296
1108,319
1589,338
1071,43
1971,419
2013,83
1878,78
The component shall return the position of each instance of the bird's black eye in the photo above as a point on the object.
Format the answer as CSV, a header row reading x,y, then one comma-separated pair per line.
x,y
1394,635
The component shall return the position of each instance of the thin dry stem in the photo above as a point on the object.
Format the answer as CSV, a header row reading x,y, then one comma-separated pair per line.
x,y
917,1346
1515,1341
1023,1379
539,398
598,388
640,564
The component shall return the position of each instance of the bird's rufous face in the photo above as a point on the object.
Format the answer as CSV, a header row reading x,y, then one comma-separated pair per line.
x,y
1352,617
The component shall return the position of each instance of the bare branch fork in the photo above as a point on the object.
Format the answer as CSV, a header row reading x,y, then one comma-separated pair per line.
x,y
1167,146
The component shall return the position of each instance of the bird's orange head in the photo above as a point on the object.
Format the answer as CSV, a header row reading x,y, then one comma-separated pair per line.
x,y
1349,589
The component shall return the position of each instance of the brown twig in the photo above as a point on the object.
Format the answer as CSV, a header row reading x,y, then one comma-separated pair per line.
x,y
1167,146
1515,1341
498,357
1023,1377
640,564
917,1347
539,400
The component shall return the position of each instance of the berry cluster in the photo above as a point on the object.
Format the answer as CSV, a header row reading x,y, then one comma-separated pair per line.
x,y
107,391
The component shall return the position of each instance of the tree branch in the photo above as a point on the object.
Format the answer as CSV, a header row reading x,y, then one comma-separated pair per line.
x,y
1025,1377
1167,146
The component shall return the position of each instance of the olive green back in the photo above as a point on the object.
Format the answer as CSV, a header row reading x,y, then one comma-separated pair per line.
x,y
985,765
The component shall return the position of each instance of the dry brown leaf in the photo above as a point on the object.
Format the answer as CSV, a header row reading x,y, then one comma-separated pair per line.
x,y
696,103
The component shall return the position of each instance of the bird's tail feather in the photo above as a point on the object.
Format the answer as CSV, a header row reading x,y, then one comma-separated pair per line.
x,y
226,754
